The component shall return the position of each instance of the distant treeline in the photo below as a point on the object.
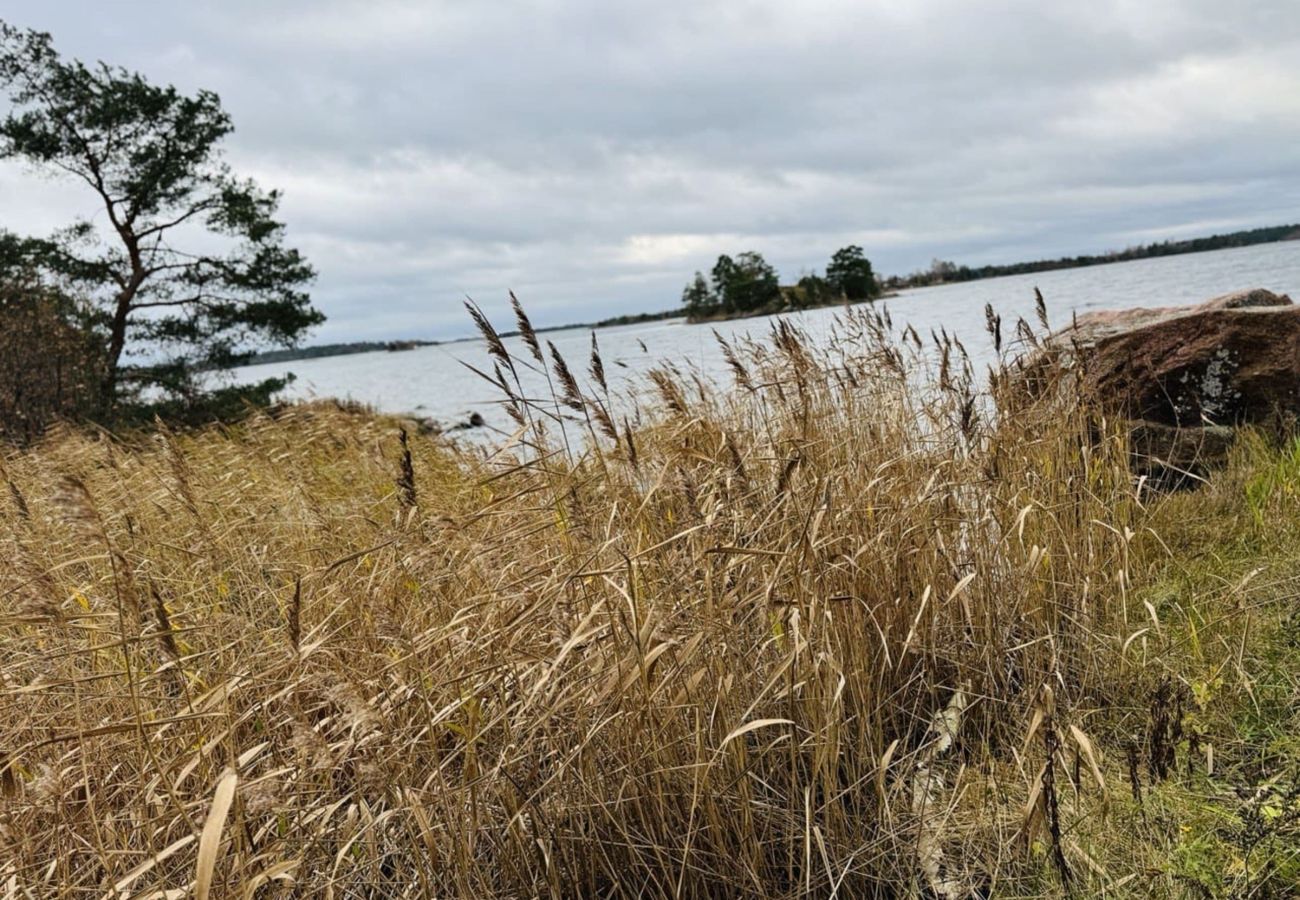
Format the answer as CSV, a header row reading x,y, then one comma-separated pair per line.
x,y
276,356
943,272
636,318
630,319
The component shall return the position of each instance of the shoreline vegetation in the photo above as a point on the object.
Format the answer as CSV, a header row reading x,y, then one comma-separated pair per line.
x,y
812,294
854,626
784,306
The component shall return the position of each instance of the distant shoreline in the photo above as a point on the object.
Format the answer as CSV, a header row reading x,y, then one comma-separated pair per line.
x,y
323,350
782,310
939,274
633,319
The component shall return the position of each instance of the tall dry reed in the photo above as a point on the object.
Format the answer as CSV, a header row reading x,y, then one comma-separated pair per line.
x,y
788,638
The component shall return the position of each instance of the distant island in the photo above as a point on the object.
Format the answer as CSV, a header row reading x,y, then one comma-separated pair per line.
x,y
748,286
276,356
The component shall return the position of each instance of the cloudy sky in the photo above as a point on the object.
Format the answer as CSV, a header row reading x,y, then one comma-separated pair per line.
x,y
592,155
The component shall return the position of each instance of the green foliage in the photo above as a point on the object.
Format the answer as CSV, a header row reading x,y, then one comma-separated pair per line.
x,y
1278,481
811,291
745,285
171,303
849,273
226,404
698,298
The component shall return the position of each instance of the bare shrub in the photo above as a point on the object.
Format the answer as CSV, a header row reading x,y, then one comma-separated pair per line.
x,y
50,364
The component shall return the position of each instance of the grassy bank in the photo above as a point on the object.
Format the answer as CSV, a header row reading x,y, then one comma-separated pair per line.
x,y
841,627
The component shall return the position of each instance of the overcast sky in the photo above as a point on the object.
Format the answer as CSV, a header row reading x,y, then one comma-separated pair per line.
x,y
592,155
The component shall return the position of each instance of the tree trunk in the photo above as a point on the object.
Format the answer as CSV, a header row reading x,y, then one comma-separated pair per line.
x,y
117,333
116,341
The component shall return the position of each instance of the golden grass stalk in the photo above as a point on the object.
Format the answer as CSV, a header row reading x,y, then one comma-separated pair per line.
x,y
210,838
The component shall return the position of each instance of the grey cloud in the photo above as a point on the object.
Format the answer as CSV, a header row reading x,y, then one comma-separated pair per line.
x,y
592,155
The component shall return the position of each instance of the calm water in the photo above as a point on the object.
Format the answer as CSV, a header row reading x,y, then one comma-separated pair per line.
x,y
431,381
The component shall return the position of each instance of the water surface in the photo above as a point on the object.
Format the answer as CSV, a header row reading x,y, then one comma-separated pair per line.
x,y
433,382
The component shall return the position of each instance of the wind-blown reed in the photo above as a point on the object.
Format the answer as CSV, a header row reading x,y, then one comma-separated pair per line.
x,y
853,626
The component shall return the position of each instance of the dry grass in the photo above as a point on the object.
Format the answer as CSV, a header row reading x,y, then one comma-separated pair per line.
x,y
827,632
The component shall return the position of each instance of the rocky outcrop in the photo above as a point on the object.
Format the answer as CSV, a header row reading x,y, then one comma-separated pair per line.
x,y
428,426
1187,376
